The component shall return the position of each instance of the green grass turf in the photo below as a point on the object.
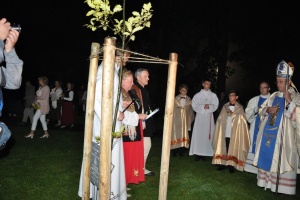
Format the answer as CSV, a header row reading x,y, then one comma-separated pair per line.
x,y
49,169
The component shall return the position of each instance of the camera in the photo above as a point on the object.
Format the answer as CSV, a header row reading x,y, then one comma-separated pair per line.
x,y
16,27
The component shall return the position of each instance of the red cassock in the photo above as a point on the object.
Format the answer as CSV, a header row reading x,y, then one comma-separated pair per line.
x,y
134,159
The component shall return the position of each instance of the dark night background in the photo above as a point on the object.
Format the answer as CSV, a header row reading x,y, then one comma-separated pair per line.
x,y
253,36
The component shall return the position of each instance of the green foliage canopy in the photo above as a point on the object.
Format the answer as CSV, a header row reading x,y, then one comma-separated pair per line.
x,y
102,14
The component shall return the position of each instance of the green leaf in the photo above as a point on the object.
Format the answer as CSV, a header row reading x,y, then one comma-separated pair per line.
x,y
89,2
147,6
91,12
128,26
117,8
132,37
97,2
126,33
98,14
137,29
102,17
148,24
135,13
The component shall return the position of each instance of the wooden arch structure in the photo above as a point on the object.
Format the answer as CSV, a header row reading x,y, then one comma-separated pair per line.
x,y
107,118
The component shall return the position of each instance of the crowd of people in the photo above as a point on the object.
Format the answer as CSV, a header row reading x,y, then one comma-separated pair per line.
x,y
262,139
55,107
58,105
129,151
246,139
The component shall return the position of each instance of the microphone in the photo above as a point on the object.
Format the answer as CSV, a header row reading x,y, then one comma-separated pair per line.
x,y
134,97
132,93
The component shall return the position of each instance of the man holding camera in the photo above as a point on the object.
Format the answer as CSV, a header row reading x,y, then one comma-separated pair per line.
x,y
10,76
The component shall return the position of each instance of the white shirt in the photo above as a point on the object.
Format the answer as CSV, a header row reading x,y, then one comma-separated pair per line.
x,y
229,121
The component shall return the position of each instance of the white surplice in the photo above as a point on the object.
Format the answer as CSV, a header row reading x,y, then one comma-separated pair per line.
x,y
251,112
117,182
204,124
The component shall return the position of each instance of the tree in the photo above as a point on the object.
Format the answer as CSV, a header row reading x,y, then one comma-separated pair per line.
x,y
102,17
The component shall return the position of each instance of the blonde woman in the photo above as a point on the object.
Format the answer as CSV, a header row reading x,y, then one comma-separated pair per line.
x,y
42,99
133,136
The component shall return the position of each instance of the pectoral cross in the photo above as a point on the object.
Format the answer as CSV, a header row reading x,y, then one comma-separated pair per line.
x,y
274,116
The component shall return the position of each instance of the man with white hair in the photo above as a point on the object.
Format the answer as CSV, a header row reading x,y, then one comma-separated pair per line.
x,y
276,154
142,78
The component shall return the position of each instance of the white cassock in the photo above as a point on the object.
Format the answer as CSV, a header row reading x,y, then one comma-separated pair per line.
x,y
252,114
204,124
118,182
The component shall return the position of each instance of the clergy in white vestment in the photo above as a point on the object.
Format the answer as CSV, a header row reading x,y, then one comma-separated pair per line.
x,y
204,103
117,179
254,120
278,145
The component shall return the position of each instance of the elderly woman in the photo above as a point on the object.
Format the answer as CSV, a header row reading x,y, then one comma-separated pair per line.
x,y
133,135
42,106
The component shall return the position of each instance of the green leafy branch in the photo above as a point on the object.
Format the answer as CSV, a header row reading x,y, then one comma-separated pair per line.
x,y
101,17
102,14
114,134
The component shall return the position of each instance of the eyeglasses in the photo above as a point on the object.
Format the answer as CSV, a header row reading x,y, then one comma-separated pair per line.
x,y
263,87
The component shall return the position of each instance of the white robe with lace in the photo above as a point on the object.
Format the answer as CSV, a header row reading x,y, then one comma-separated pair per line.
x,y
118,182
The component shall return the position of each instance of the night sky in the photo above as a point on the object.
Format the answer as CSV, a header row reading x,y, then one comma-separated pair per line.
x,y
55,43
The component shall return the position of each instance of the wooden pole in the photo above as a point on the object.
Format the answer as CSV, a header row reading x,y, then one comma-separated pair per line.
x,y
89,116
106,116
165,157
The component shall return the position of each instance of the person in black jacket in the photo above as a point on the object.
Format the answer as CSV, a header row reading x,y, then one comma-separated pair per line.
x,y
142,78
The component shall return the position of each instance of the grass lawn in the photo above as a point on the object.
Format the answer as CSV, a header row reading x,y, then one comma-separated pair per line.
x,y
42,169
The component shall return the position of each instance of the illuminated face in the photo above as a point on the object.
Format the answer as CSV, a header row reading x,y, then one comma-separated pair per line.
x,y
127,83
183,91
282,84
143,78
41,82
233,98
56,83
264,88
125,59
206,85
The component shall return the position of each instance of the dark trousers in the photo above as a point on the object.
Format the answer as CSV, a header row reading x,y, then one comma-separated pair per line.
x,y
231,168
179,150
227,144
